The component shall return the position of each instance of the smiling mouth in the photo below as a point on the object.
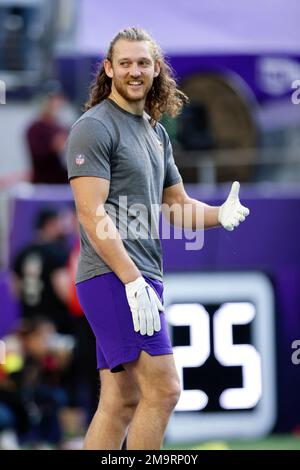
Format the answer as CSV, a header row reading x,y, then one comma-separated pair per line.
x,y
135,84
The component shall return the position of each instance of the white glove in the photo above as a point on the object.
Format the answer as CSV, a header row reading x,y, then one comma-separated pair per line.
x,y
231,213
144,305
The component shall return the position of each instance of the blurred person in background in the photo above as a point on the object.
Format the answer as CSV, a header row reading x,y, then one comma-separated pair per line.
x,y
46,138
41,275
82,380
47,356
14,417
31,389
44,275
84,371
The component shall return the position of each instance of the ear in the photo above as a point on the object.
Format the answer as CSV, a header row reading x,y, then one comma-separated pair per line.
x,y
156,69
108,68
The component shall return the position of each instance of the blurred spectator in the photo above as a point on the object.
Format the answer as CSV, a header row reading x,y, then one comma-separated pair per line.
x,y
44,282
14,419
46,139
31,393
85,377
41,276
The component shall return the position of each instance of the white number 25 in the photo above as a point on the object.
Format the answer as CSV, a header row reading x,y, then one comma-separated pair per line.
x,y
228,354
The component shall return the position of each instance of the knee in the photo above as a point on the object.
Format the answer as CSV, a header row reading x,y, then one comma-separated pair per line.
x,y
167,395
172,394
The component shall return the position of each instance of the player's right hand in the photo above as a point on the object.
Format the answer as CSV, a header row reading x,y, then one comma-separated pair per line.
x,y
144,305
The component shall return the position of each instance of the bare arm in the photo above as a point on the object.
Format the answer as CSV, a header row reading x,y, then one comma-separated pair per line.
x,y
188,212
60,282
90,195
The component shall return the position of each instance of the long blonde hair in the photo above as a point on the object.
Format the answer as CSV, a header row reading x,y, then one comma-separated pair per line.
x,y
163,97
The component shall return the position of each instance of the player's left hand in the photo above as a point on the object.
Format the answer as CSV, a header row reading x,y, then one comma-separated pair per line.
x,y
232,213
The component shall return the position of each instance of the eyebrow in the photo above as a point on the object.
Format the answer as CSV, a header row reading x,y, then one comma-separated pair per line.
x,y
141,58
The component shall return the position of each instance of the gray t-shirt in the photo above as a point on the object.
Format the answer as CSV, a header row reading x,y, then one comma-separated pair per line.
x,y
109,142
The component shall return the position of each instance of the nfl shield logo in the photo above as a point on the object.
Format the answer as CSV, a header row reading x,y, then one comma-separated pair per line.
x,y
79,160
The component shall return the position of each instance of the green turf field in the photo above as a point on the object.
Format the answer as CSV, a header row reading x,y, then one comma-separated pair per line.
x,y
278,442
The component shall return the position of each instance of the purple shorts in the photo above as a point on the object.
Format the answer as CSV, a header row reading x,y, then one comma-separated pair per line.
x,y
104,302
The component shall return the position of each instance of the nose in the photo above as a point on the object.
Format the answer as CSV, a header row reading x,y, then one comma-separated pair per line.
x,y
135,71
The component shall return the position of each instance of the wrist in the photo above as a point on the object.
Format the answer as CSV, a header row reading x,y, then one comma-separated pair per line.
x,y
130,276
219,216
136,284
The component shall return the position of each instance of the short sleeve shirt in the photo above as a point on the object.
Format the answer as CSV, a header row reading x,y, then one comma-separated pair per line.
x,y
109,142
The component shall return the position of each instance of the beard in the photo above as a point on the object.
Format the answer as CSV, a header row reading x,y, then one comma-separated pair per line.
x,y
131,95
